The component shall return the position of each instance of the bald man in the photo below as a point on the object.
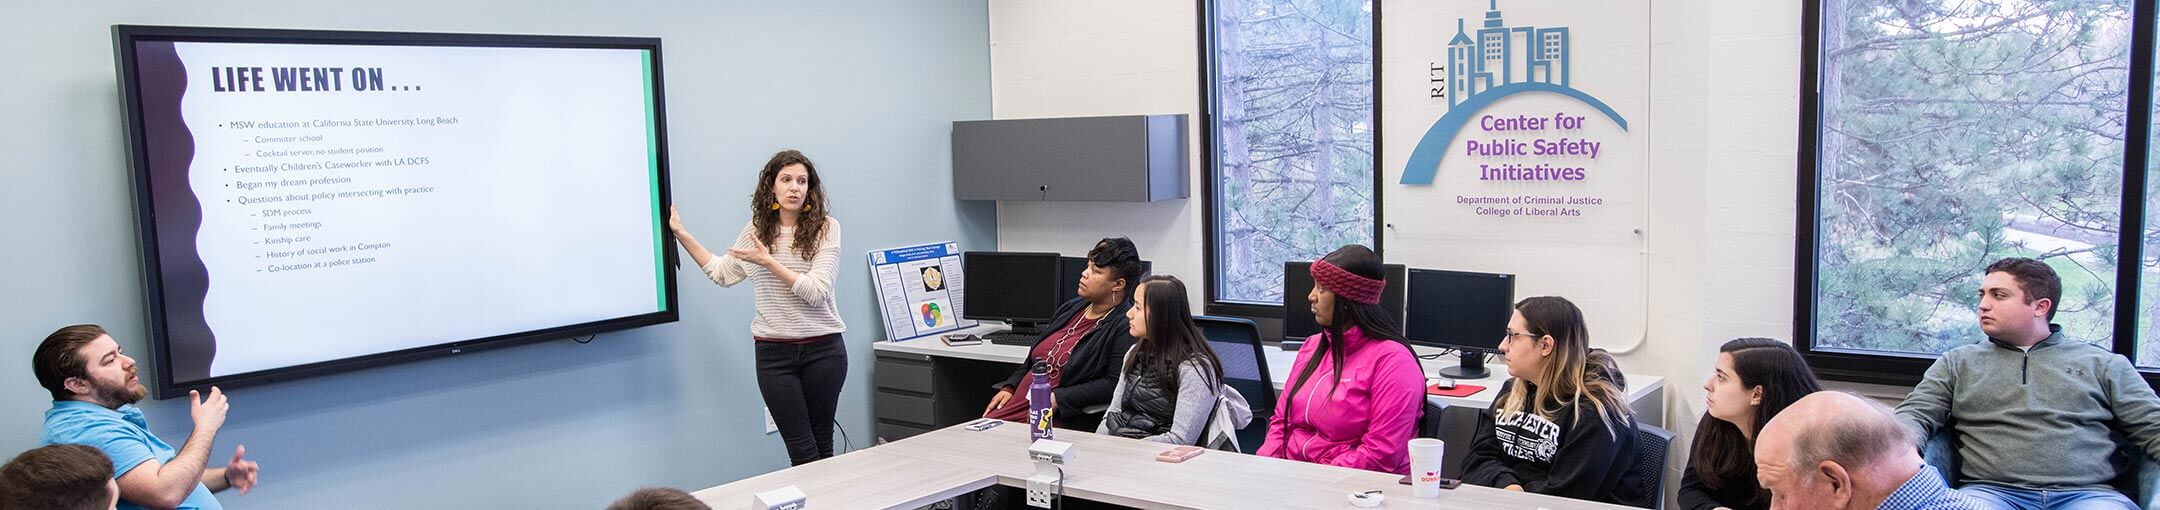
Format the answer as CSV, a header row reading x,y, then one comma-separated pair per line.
x,y
1838,451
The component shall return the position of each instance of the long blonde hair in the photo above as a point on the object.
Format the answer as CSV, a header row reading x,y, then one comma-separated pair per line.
x,y
1575,373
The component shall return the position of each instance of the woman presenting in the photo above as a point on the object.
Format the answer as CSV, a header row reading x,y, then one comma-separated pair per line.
x,y
788,253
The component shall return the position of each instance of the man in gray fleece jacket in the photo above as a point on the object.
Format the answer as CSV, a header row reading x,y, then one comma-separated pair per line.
x,y
2033,411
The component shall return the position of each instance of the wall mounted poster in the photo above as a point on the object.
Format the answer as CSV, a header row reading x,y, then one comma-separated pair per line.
x,y
1514,141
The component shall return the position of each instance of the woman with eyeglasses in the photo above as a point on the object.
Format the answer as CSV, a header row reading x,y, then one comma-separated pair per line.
x,y
1561,425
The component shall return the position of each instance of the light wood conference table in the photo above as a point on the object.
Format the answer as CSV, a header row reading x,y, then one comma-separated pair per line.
x,y
942,464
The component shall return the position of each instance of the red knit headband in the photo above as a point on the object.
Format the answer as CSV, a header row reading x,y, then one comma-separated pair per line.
x,y
1347,285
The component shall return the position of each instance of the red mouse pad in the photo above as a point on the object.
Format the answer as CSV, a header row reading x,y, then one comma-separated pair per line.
x,y
1460,390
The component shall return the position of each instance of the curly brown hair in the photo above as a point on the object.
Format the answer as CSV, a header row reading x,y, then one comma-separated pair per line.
x,y
765,213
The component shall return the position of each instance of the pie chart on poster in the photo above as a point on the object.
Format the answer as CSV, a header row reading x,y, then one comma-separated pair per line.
x,y
931,315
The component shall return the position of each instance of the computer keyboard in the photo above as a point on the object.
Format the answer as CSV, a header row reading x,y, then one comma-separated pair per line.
x,y
1010,338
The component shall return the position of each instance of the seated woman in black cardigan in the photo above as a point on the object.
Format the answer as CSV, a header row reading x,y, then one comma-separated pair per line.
x,y
1086,345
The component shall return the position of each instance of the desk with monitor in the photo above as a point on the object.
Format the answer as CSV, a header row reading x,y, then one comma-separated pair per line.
x,y
924,384
1017,289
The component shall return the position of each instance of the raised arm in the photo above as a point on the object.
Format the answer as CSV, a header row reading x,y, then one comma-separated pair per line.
x,y
816,285
155,484
725,270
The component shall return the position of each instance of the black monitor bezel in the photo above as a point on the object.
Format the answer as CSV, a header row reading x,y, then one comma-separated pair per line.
x,y
1397,273
969,312
1410,292
125,38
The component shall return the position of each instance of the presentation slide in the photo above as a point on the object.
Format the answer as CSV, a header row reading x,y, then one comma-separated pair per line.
x,y
319,202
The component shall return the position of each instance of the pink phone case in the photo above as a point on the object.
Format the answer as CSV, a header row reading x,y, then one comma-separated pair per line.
x,y
1179,454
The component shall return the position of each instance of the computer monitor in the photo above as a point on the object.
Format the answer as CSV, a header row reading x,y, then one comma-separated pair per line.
x,y
1460,310
1069,269
1015,287
1298,322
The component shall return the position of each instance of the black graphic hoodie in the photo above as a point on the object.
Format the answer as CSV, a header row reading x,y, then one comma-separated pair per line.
x,y
1572,455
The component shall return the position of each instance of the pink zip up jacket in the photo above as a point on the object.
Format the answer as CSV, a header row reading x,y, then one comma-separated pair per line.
x,y
1367,419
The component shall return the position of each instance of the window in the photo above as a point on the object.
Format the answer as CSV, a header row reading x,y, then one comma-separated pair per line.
x,y
1944,135
1554,43
2148,253
1289,140
1495,46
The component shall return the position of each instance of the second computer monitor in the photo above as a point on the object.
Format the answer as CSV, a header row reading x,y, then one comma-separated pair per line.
x,y
1459,310
1069,269
1298,321
1010,286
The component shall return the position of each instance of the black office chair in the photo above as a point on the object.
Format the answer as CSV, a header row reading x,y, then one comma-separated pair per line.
x,y
1244,364
1652,444
1454,425
2136,477
1431,423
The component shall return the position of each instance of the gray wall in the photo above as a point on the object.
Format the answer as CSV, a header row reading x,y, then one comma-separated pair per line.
x,y
867,89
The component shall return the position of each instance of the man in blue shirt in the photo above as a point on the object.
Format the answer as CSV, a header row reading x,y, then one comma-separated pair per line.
x,y
1836,450
94,388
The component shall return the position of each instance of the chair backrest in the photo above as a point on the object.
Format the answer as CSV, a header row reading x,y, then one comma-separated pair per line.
x,y
2137,476
1940,450
1244,362
1428,422
1651,446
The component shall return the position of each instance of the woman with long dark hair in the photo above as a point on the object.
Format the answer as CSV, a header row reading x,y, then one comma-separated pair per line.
x,y
1561,425
1355,390
1171,378
1755,379
788,251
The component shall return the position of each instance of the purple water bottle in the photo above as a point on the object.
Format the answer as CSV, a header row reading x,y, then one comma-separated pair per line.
x,y
1039,408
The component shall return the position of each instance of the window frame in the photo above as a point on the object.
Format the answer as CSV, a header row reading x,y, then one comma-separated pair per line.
x,y
1211,224
1881,367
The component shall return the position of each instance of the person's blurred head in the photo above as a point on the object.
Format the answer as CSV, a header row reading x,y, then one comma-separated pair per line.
x,y
59,477
2018,297
1833,450
81,362
659,498
1113,267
